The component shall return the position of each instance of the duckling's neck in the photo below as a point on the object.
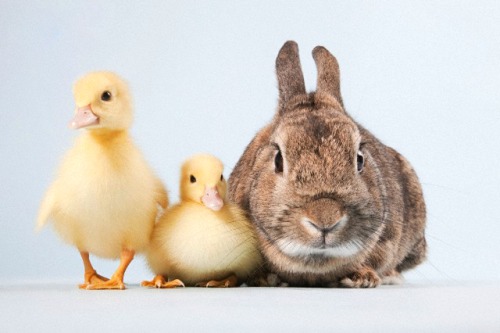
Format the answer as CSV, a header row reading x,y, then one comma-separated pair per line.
x,y
106,137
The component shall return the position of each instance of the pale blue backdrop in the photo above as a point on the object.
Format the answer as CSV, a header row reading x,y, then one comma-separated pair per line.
x,y
422,75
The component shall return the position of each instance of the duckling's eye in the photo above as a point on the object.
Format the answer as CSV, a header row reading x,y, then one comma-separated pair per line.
x,y
221,177
360,161
278,162
106,96
192,179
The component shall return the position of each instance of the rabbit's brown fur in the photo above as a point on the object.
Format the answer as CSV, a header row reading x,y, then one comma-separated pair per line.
x,y
321,221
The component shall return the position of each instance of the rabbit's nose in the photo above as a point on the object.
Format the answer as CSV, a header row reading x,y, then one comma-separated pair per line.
x,y
324,215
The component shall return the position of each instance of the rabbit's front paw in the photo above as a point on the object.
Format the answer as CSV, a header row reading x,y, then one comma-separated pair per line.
x,y
364,278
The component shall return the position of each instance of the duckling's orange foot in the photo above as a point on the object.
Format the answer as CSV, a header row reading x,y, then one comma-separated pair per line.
x,y
160,282
228,282
112,284
92,278
364,278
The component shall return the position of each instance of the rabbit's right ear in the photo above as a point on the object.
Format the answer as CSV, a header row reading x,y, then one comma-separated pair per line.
x,y
328,73
289,72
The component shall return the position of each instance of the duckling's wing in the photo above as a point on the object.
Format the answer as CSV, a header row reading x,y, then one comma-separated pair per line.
x,y
46,208
161,194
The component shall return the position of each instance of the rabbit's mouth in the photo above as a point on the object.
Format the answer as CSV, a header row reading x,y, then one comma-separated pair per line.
x,y
296,249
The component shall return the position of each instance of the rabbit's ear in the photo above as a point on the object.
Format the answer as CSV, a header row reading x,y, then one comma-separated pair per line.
x,y
328,73
289,72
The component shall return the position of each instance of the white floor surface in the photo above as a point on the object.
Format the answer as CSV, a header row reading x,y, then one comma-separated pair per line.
x,y
412,307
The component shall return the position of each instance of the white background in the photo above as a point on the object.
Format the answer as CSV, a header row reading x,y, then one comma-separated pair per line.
x,y
423,76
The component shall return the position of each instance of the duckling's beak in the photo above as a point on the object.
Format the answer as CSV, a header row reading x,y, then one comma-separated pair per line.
x,y
211,198
84,117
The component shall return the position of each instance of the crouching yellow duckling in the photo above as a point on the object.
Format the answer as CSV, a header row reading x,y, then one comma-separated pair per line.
x,y
105,198
203,240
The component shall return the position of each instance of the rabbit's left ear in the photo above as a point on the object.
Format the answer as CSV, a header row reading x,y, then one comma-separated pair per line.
x,y
328,73
289,72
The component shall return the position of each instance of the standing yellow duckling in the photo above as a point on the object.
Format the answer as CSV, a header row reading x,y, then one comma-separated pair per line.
x,y
203,240
105,198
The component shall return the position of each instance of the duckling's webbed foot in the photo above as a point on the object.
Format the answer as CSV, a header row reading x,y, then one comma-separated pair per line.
x,y
231,281
90,276
113,283
160,282
116,281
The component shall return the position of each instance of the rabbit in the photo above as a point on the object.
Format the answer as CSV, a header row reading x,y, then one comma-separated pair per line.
x,y
332,205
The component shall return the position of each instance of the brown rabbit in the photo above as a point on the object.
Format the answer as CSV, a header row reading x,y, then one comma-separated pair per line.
x,y
332,205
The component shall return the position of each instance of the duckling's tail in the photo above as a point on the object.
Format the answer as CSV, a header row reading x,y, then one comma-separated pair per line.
x,y
45,210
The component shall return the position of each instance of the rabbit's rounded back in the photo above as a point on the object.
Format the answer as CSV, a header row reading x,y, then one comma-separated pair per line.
x,y
332,205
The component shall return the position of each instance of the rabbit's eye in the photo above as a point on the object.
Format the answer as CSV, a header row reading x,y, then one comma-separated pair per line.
x,y
221,177
278,162
360,160
192,179
106,96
